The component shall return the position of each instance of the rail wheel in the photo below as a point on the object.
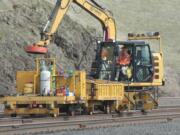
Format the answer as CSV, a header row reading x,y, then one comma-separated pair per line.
x,y
144,112
71,110
72,113
13,115
90,113
108,110
55,115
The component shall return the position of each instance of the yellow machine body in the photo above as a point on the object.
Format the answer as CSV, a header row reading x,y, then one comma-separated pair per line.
x,y
104,90
158,61
29,100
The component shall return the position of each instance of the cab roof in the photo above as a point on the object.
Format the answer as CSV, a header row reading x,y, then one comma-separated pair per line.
x,y
132,42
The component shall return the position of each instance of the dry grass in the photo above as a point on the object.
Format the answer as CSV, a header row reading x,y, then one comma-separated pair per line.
x,y
144,16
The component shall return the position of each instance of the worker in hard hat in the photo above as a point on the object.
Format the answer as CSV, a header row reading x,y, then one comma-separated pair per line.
x,y
123,63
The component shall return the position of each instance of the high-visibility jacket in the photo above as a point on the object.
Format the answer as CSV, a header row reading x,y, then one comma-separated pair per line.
x,y
124,58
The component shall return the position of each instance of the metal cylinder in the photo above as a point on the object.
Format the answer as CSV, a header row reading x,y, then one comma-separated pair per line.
x,y
45,80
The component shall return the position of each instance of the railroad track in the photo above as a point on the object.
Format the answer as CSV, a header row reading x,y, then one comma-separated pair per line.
x,y
23,125
49,125
59,125
10,120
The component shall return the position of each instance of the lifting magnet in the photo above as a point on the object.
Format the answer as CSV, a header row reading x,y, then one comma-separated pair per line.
x,y
34,49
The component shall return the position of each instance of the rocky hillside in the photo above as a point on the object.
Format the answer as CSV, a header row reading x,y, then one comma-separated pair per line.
x,y
20,25
21,21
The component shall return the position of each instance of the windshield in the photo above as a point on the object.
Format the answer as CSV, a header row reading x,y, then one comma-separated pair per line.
x,y
107,53
143,54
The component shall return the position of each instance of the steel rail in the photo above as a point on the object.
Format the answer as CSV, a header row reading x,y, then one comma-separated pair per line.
x,y
79,124
9,120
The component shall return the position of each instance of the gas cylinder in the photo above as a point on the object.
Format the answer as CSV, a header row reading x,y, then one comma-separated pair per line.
x,y
45,80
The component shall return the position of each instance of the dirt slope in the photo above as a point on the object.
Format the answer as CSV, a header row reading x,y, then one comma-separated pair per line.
x,y
21,25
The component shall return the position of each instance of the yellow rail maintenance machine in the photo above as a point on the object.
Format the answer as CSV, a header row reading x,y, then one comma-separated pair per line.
x,y
125,75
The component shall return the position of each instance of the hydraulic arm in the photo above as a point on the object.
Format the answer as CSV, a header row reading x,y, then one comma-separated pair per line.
x,y
61,8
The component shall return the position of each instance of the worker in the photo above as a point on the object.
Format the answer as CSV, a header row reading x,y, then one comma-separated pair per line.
x,y
104,64
123,64
124,58
104,54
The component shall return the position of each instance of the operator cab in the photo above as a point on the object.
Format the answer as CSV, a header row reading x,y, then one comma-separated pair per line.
x,y
124,61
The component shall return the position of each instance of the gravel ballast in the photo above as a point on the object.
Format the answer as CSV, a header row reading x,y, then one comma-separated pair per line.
x,y
169,128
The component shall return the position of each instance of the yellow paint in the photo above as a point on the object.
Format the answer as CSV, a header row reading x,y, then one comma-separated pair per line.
x,y
28,111
22,78
105,90
28,99
159,67
87,91
158,59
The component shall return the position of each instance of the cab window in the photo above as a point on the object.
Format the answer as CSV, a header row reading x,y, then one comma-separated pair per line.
x,y
108,52
143,55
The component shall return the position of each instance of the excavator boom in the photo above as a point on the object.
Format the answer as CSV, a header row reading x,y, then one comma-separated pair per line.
x,y
58,13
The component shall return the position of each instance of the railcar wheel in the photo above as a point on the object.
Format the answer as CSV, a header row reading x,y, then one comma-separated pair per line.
x,y
144,112
13,115
55,115
90,113
108,110
72,113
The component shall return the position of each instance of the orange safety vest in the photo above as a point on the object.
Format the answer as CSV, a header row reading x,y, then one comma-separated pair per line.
x,y
124,58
